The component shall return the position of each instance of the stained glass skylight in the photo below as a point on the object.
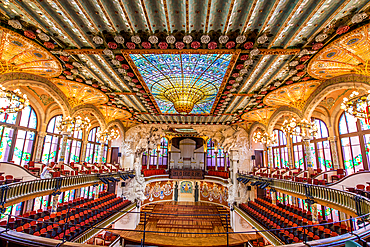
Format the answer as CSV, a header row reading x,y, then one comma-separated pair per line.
x,y
183,83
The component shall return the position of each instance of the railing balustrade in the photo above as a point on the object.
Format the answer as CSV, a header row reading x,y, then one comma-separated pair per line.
x,y
354,203
14,192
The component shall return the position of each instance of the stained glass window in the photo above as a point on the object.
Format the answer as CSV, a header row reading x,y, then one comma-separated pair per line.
x,y
211,155
320,147
280,151
50,152
93,147
171,76
354,137
17,136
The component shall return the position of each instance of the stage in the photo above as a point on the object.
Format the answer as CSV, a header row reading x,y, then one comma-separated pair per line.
x,y
185,224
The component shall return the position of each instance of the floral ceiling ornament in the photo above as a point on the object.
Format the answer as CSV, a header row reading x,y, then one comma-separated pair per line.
x,y
205,39
293,63
321,37
262,39
43,36
119,39
153,39
255,52
108,52
171,39
359,17
15,24
136,39
187,39
98,40
223,39
241,39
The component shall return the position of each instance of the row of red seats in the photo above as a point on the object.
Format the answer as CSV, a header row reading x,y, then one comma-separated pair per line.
x,y
222,174
79,218
361,190
277,217
148,173
8,179
272,220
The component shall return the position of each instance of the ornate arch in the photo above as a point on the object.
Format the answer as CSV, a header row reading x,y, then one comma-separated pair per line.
x,y
285,110
24,79
93,110
345,81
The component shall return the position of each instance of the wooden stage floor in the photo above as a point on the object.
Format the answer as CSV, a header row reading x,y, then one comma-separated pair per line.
x,y
183,220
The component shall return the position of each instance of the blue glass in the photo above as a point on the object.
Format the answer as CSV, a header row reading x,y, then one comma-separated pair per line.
x,y
202,71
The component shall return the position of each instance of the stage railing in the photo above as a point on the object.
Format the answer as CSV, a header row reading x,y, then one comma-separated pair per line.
x,y
16,192
350,203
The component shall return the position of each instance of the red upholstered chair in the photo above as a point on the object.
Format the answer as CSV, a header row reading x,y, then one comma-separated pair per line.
x,y
340,174
9,179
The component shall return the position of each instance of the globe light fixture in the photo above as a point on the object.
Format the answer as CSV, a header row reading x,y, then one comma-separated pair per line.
x,y
12,101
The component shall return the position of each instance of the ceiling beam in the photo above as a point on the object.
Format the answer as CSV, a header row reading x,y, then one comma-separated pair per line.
x,y
262,51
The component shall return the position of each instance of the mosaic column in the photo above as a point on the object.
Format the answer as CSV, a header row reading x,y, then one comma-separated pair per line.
x,y
334,151
216,165
83,151
157,158
101,154
55,203
308,152
290,151
273,197
63,147
315,213
225,162
270,157
39,147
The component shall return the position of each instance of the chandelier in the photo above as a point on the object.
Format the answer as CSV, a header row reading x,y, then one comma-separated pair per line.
x,y
184,98
107,135
12,101
264,138
303,128
357,106
70,124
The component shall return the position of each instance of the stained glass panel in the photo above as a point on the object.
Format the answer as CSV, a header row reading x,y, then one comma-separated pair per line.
x,y
204,72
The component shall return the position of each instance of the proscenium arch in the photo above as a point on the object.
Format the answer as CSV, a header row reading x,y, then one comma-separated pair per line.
x,y
25,79
341,82
282,111
93,110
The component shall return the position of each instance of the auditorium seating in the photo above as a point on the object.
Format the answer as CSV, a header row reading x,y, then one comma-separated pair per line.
x,y
148,173
222,174
277,217
70,219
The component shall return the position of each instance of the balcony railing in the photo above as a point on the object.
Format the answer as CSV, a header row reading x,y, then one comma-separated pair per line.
x,y
350,203
17,192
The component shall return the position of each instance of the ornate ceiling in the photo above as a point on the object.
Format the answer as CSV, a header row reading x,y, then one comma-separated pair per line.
x,y
138,54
